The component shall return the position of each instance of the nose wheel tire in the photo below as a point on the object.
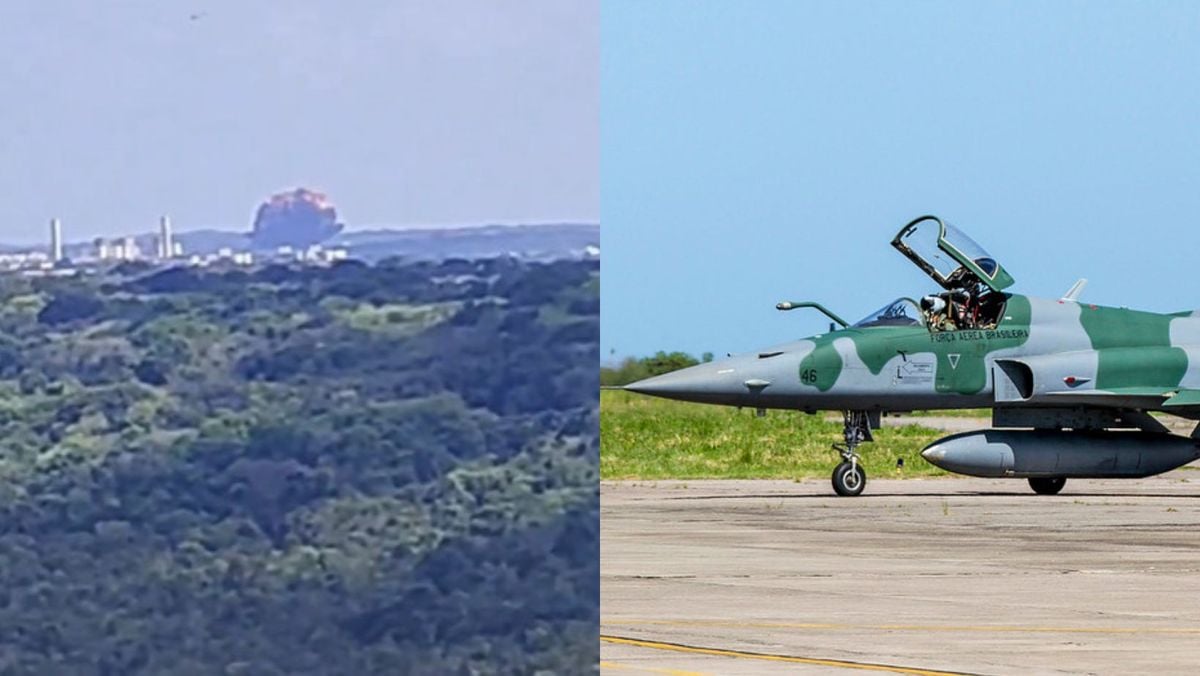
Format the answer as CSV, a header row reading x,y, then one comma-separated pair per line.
x,y
849,479
1047,485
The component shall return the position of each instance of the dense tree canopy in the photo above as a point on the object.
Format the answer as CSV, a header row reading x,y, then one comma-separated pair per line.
x,y
345,470
632,369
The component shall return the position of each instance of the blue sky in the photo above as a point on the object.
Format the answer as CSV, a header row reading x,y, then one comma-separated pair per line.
x,y
406,113
755,152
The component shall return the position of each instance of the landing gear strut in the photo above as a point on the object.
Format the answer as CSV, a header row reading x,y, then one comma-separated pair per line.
x,y
849,478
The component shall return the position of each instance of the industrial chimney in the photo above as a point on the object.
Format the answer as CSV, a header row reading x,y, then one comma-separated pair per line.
x,y
56,246
166,244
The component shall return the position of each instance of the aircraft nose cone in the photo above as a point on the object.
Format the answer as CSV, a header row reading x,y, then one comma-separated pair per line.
x,y
676,382
712,382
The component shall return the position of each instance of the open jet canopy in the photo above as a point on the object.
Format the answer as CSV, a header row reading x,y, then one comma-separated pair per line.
x,y
947,255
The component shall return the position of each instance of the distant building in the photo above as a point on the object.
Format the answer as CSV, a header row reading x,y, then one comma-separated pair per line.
x,y
319,254
25,260
124,249
224,256
130,248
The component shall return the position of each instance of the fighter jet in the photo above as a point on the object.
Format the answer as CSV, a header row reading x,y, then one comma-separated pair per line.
x,y
1071,385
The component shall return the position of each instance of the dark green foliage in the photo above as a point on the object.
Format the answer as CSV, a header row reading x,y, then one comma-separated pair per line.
x,y
631,370
69,306
665,362
151,371
342,470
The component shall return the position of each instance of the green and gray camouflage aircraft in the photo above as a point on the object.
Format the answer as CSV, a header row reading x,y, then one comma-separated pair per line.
x,y
1071,385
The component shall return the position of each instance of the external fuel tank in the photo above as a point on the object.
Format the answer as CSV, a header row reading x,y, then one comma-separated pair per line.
x,y
1052,453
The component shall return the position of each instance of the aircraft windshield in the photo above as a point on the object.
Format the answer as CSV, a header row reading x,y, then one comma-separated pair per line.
x,y
900,312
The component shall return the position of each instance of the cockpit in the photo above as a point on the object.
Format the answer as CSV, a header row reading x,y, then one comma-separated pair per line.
x,y
972,282
971,277
948,311
900,312
960,309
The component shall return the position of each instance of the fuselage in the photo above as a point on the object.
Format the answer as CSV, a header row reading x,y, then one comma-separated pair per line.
x,y
1039,353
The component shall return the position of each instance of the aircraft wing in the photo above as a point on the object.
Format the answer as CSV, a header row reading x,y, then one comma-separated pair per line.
x,y
1184,398
1135,397
1117,397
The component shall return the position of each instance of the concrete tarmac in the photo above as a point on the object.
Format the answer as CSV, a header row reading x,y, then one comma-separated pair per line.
x,y
943,575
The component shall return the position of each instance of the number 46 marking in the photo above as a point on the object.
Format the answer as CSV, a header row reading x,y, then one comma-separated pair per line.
x,y
808,376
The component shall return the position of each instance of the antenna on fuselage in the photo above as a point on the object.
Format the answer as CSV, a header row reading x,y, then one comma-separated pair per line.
x,y
1072,294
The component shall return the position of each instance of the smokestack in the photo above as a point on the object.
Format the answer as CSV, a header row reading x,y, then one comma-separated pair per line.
x,y
166,244
55,240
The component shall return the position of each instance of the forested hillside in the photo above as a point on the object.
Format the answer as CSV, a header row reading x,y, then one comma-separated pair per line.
x,y
347,470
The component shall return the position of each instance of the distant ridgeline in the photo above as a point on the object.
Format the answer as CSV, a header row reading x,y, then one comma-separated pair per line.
x,y
302,218
352,469
544,242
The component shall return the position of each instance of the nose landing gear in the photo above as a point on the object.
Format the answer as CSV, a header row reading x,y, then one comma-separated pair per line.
x,y
849,478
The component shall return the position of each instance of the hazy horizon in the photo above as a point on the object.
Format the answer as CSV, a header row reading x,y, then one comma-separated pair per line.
x,y
38,239
416,114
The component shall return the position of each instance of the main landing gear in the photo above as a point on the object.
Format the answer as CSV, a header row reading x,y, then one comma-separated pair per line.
x,y
849,478
1047,485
